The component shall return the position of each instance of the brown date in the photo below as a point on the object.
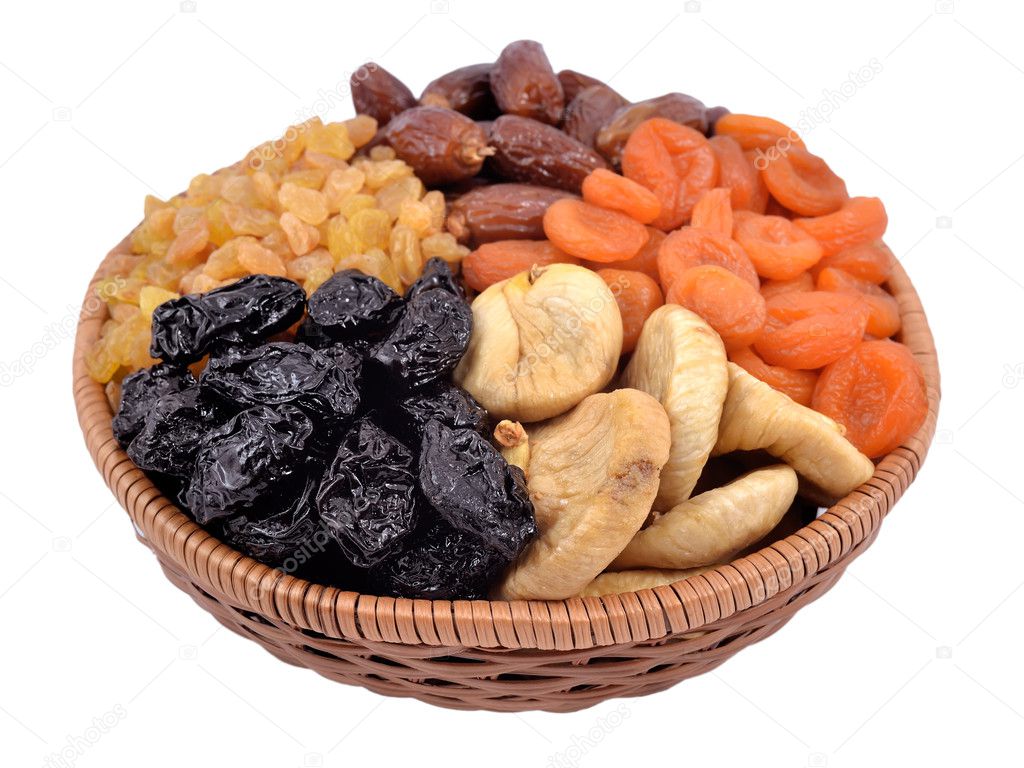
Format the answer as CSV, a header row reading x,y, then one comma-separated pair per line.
x,y
466,90
378,93
441,145
589,111
573,82
528,151
524,84
673,106
501,212
713,114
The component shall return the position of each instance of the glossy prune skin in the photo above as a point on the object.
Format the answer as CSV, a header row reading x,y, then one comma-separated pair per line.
x,y
466,90
442,145
282,372
534,153
287,534
523,83
139,393
436,274
351,304
443,402
169,441
367,499
248,461
378,93
474,489
246,312
440,562
428,340
501,212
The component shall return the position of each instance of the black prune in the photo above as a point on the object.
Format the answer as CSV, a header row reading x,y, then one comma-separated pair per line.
x,y
474,489
247,460
436,274
282,372
139,393
428,340
367,499
169,441
285,536
246,312
312,334
440,563
451,405
351,304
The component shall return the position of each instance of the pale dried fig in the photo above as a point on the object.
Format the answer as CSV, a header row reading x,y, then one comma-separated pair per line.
x,y
716,525
680,360
593,476
514,444
756,416
542,341
615,582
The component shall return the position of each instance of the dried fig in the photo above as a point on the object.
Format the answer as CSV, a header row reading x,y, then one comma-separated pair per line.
x,y
615,582
593,475
523,83
716,525
681,361
756,416
541,342
677,107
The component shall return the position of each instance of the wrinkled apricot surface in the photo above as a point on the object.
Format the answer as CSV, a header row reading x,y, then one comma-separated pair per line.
x,y
692,247
714,211
778,249
860,220
883,309
596,234
493,262
637,295
804,183
728,303
877,392
799,385
609,190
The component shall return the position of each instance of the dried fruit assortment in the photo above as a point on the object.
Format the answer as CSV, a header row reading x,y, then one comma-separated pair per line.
x,y
518,338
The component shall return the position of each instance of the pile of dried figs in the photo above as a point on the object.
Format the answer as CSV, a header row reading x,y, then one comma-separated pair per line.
x,y
516,338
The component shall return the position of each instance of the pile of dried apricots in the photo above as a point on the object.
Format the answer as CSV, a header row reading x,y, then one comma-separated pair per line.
x,y
552,241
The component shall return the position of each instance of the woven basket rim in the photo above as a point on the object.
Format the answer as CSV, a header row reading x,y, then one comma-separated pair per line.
x,y
562,625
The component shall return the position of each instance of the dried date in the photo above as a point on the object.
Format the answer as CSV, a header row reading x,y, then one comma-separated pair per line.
x,y
592,108
524,84
378,93
442,145
466,90
532,152
677,107
501,212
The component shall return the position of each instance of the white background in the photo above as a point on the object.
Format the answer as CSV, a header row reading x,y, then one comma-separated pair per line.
x,y
913,658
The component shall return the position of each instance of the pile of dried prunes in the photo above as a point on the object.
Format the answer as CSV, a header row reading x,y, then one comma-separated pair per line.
x,y
345,455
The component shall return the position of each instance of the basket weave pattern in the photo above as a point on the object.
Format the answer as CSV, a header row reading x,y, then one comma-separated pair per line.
x,y
509,656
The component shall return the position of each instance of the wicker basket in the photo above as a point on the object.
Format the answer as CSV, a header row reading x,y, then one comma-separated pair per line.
x,y
520,655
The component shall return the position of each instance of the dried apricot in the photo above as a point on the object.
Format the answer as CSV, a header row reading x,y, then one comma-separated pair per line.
x,y
637,295
799,385
493,262
760,198
883,309
868,261
609,190
645,261
860,220
778,249
588,232
714,211
758,133
675,162
810,330
804,183
802,282
877,391
727,302
736,172
692,247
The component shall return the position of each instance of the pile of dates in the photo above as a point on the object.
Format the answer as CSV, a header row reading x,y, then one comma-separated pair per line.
x,y
508,138
341,452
